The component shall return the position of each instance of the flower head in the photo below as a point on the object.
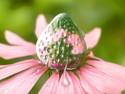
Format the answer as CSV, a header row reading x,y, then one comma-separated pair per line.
x,y
61,43
60,46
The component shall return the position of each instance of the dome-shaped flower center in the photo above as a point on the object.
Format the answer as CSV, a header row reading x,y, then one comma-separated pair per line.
x,y
61,44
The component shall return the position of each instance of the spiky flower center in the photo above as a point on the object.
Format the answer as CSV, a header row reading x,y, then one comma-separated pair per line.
x,y
61,44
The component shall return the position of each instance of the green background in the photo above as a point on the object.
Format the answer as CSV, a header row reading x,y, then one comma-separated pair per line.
x,y
19,16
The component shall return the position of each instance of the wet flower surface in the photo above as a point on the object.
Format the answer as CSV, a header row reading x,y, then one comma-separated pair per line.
x,y
61,44
61,48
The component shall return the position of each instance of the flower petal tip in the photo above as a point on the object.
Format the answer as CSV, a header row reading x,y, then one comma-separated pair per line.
x,y
93,37
97,30
41,23
7,33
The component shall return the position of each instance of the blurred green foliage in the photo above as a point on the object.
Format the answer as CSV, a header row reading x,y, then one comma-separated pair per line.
x,y
19,16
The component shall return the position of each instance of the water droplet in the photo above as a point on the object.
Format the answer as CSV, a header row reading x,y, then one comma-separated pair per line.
x,y
73,31
60,40
58,60
63,48
62,56
57,52
48,50
37,71
54,46
65,81
67,45
64,40
52,55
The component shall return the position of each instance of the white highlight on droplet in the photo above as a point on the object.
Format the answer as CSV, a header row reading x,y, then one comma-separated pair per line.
x,y
65,81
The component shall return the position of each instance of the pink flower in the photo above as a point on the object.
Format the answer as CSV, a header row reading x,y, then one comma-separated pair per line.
x,y
95,77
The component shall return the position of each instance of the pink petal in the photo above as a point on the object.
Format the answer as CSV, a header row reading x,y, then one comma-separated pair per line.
x,y
77,85
108,68
65,85
105,80
23,82
10,52
14,39
41,23
50,87
69,84
92,85
87,86
92,37
102,82
17,67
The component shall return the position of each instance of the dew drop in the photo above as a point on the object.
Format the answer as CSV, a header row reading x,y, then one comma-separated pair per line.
x,y
52,55
65,81
62,56
48,50
54,46
58,60
57,52
61,40
64,40
37,71
67,45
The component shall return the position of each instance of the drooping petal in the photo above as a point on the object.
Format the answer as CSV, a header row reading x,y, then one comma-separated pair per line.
x,y
96,87
23,82
77,85
41,23
10,52
109,68
50,87
12,69
100,79
92,37
69,84
113,70
14,39
87,86
65,85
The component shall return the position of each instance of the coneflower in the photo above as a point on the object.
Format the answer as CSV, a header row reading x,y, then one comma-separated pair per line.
x,y
66,52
